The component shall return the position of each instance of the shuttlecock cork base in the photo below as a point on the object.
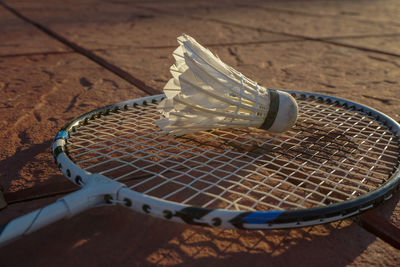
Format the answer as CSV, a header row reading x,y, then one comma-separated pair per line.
x,y
206,94
282,113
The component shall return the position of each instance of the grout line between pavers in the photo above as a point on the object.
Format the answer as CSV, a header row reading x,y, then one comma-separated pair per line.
x,y
89,54
43,53
363,36
365,49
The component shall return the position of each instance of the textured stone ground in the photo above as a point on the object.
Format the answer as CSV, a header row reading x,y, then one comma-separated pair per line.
x,y
342,48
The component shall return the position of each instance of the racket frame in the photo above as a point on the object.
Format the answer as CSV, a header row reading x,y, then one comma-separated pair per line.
x,y
273,219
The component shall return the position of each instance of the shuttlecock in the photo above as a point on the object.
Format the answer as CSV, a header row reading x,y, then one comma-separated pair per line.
x,y
206,93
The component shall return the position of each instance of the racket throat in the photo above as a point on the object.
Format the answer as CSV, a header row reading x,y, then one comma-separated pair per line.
x,y
97,191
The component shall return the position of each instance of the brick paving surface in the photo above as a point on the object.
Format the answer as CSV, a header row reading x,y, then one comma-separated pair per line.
x,y
59,59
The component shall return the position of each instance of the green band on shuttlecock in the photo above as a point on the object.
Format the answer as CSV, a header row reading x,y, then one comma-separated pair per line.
x,y
273,109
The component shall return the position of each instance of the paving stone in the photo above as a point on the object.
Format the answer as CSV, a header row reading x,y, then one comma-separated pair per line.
x,y
38,95
164,31
113,26
291,17
385,11
298,24
19,37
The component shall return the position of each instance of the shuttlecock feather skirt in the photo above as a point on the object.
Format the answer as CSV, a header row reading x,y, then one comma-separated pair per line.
x,y
204,93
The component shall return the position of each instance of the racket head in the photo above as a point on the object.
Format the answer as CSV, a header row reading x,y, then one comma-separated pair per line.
x,y
339,160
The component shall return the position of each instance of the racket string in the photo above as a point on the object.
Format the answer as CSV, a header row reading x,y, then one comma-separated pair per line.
x,y
241,169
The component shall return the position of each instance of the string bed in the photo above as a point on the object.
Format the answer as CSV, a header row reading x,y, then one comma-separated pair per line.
x,y
331,155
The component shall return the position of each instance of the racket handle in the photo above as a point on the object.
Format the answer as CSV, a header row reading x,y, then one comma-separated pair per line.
x,y
65,207
93,194
33,221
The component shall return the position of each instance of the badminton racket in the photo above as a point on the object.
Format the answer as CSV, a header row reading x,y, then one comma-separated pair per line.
x,y
340,159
